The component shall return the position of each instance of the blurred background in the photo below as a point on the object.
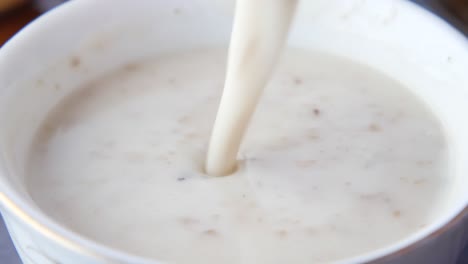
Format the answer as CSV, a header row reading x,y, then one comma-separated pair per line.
x,y
15,14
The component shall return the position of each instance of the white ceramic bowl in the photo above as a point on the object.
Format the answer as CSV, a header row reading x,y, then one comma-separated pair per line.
x,y
83,39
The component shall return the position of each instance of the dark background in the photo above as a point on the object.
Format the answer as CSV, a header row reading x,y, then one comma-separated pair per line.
x,y
21,12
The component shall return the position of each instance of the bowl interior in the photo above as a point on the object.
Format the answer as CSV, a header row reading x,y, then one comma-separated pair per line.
x,y
82,40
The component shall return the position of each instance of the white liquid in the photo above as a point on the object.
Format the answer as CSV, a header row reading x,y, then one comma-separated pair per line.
x,y
259,33
339,160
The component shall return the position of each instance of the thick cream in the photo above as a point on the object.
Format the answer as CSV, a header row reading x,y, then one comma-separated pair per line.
x,y
259,32
339,160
